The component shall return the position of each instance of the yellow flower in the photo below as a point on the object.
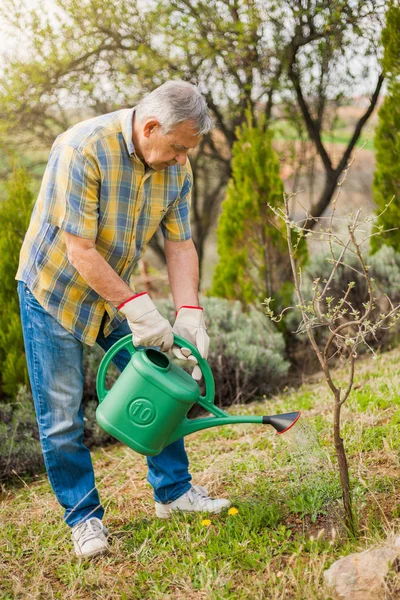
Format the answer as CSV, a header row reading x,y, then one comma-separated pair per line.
x,y
233,511
206,522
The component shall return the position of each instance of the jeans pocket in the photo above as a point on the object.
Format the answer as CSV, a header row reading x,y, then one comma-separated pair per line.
x,y
31,301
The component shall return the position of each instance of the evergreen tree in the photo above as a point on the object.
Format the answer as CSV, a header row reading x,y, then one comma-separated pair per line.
x,y
387,138
15,212
253,258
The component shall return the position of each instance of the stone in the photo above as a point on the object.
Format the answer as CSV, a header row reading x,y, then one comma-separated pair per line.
x,y
361,576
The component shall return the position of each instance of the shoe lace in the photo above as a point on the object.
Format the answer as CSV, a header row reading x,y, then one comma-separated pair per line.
x,y
88,530
198,492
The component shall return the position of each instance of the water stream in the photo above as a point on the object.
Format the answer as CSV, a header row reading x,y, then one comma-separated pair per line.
x,y
314,486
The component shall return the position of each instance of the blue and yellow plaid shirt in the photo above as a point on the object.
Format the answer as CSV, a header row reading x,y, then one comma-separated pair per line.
x,y
96,187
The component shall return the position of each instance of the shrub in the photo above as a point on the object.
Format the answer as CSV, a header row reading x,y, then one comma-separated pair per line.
x,y
384,268
246,352
15,213
20,450
387,137
252,252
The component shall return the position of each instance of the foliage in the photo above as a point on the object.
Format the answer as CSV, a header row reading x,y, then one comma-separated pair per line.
x,y
239,54
246,353
314,497
20,450
15,213
387,138
384,269
251,248
391,40
101,55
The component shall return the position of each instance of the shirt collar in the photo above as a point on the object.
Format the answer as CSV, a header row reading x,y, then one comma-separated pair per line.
x,y
127,124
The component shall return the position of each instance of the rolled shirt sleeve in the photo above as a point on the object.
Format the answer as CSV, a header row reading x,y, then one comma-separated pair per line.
x,y
175,225
71,195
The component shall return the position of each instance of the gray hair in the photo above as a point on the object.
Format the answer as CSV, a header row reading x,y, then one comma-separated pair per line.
x,y
175,102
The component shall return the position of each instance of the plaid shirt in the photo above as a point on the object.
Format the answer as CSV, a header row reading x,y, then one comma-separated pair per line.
x,y
96,187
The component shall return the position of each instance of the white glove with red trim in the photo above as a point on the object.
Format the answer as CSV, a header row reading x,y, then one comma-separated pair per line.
x,y
189,324
148,327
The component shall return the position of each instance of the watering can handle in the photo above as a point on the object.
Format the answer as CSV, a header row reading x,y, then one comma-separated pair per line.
x,y
123,343
206,401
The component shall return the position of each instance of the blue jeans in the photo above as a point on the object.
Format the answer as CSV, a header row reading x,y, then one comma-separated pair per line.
x,y
54,358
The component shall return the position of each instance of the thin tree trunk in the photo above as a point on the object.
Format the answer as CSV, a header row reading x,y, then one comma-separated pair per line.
x,y
343,467
331,181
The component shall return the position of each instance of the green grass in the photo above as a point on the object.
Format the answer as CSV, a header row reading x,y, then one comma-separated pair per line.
x,y
342,135
289,525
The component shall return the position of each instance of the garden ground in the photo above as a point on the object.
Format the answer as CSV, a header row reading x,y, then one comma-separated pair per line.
x,y
288,528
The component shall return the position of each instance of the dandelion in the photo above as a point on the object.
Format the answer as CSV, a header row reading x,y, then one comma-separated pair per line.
x,y
206,522
233,511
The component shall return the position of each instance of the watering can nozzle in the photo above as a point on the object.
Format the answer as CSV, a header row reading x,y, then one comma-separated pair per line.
x,y
282,422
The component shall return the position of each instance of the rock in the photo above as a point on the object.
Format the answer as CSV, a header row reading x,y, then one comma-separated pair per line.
x,y
361,576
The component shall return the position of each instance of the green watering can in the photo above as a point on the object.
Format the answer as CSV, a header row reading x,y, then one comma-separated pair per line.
x,y
147,406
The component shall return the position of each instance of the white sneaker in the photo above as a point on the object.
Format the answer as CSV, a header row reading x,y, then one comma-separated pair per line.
x,y
194,500
89,538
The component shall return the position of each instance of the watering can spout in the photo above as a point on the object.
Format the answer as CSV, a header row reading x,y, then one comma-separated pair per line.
x,y
281,423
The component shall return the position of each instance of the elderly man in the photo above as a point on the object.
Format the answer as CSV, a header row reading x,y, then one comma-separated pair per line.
x,y
110,182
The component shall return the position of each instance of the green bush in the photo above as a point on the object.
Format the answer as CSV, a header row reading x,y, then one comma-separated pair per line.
x,y
15,213
20,450
387,137
246,352
253,257
384,269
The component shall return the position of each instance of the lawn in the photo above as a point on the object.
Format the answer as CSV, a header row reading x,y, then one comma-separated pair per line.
x,y
288,528
342,133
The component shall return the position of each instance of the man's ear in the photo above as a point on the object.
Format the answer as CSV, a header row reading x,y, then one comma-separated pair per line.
x,y
150,126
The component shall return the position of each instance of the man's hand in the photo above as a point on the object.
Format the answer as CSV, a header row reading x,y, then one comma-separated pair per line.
x,y
148,327
190,325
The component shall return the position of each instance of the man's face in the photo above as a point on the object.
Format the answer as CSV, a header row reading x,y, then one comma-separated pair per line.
x,y
160,150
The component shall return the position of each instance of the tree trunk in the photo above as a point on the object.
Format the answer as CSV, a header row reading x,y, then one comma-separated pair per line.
x,y
331,180
343,467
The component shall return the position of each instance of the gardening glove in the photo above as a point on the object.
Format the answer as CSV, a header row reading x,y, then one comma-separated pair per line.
x,y
190,325
148,327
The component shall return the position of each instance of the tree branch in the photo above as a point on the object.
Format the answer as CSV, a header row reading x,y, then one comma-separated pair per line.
x,y
343,162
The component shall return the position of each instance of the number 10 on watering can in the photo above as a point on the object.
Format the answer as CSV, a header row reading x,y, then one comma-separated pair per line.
x,y
147,406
